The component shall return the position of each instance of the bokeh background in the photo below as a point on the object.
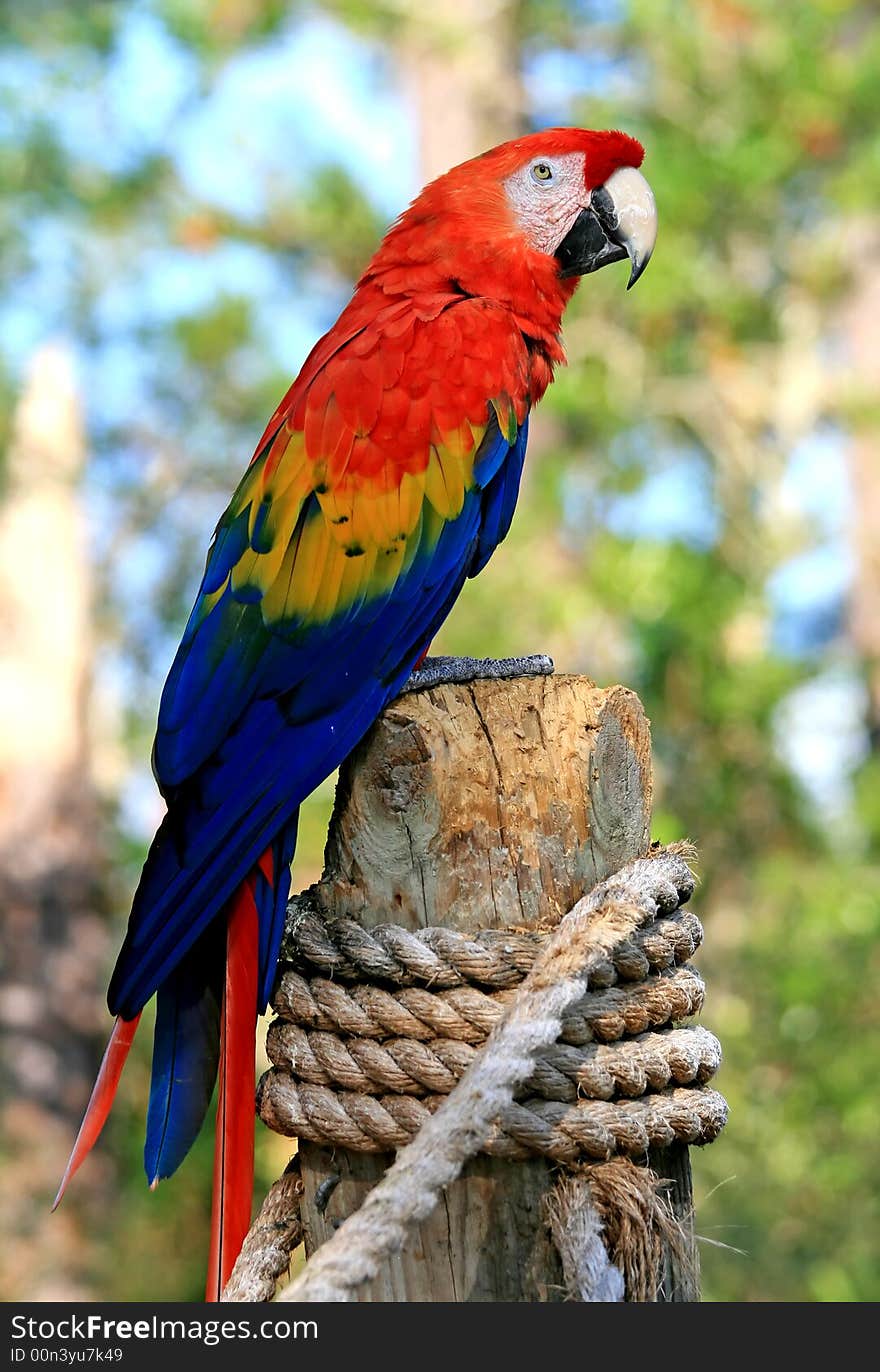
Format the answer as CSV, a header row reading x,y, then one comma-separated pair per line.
x,y
189,188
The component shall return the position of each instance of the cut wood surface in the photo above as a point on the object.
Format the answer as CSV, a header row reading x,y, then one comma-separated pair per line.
x,y
490,805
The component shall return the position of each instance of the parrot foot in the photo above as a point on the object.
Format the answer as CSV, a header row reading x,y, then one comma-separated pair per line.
x,y
458,671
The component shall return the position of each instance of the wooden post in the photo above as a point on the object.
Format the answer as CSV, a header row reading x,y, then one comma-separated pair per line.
x,y
488,805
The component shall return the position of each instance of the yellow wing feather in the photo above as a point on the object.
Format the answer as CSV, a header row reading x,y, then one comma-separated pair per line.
x,y
309,565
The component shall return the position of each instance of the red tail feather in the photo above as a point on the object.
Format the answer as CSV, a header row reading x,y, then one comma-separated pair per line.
x,y
234,1137
101,1099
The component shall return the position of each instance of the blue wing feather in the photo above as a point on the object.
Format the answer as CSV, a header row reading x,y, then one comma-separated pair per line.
x,y
239,747
499,501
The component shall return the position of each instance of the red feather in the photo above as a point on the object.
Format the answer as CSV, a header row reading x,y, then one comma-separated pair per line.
x,y
101,1099
234,1136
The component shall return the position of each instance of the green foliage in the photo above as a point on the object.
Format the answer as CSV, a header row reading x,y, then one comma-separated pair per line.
x,y
207,338
867,796
47,25
790,974
338,223
216,30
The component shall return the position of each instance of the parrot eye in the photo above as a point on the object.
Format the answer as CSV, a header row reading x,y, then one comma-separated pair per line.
x,y
542,172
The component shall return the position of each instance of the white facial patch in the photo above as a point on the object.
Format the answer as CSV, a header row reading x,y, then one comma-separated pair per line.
x,y
547,195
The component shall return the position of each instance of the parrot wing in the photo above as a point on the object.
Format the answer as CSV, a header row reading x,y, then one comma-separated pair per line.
x,y
389,478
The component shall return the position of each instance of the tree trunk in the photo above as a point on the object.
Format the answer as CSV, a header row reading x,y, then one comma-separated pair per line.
x,y
488,805
460,62
54,929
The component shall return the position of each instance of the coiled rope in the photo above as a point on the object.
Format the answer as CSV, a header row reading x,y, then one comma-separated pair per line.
x,y
563,1044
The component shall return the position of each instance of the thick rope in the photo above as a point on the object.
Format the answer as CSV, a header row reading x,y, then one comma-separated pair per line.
x,y
468,1014
443,958
481,1110
565,1133
273,1236
365,1041
407,1067
337,1047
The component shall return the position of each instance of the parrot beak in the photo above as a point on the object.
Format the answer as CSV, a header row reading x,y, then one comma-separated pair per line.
x,y
621,221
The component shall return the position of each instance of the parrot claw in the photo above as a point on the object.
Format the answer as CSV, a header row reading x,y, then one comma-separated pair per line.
x,y
458,671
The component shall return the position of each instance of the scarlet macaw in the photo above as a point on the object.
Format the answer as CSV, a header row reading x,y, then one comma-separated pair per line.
x,y
386,477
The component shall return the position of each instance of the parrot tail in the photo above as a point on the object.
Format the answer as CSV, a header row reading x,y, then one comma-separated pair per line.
x,y
101,1099
254,926
206,1012
234,1130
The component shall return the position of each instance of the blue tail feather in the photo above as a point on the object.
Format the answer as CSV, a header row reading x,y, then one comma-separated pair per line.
x,y
187,1037
186,1048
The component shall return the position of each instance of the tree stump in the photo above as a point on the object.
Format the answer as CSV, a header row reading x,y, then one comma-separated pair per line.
x,y
494,804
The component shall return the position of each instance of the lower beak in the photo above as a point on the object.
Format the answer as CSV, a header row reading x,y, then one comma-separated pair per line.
x,y
621,221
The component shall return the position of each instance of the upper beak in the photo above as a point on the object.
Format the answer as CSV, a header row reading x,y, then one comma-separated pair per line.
x,y
621,221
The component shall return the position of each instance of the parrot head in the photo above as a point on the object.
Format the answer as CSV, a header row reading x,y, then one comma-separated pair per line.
x,y
527,217
580,197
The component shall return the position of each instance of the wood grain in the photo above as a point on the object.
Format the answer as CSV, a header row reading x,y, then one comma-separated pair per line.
x,y
490,805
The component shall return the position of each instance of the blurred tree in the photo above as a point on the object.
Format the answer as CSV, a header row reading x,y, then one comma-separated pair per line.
x,y
51,857
460,66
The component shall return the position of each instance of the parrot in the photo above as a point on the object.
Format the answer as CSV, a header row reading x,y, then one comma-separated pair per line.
x,y
386,477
